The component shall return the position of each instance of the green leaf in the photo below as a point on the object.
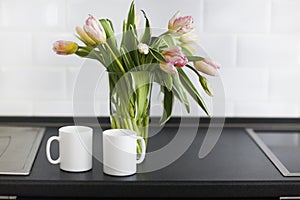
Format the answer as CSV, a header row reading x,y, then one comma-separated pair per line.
x,y
82,53
157,55
105,55
190,88
134,49
149,58
167,79
180,92
153,40
169,40
147,33
130,42
202,80
186,51
168,103
156,42
131,17
123,42
111,40
142,84
133,35
111,24
90,53
194,58
126,58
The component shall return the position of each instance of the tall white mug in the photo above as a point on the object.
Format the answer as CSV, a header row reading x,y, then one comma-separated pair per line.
x,y
75,148
119,152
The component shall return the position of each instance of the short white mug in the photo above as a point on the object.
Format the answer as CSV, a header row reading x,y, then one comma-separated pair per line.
x,y
75,148
119,152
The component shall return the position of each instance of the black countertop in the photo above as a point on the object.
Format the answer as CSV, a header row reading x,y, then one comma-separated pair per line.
x,y
235,168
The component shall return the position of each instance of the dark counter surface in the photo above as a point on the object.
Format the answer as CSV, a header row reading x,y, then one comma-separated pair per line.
x,y
235,168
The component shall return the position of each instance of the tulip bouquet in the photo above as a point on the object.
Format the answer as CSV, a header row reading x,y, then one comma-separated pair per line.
x,y
140,60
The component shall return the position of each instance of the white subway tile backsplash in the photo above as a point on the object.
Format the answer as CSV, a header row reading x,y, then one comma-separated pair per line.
x,y
15,108
214,44
32,14
245,84
229,110
78,11
88,83
284,84
43,55
253,51
32,84
87,109
195,110
257,43
285,15
160,12
267,51
53,108
266,109
236,16
69,108
16,49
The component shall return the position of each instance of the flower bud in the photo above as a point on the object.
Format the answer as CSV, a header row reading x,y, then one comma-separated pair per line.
x,y
62,47
94,30
205,85
207,67
143,48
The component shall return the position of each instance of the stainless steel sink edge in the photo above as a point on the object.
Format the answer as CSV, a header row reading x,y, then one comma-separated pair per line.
x,y
29,155
271,156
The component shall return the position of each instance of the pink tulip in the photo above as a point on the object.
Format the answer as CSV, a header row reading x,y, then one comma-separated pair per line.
x,y
207,67
181,25
168,67
212,63
175,56
62,47
94,30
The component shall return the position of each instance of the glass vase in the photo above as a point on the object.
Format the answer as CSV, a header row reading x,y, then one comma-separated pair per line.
x,y
130,97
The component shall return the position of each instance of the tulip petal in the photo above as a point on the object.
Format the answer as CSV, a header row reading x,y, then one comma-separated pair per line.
x,y
212,63
94,30
82,34
174,56
168,67
205,68
181,25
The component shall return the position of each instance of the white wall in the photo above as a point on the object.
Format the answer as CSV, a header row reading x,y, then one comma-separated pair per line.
x,y
256,41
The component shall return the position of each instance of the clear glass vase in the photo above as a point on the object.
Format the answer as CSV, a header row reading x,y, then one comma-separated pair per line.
x,y
130,96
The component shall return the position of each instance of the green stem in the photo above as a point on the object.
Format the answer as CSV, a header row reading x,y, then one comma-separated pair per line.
x,y
193,69
115,57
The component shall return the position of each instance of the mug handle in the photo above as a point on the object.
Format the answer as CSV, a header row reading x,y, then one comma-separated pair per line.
x,y
141,159
50,140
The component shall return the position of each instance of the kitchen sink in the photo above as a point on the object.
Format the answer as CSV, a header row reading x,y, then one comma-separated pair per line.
x,y
18,149
281,147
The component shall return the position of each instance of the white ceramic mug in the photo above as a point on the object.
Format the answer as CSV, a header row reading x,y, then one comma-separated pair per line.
x,y
75,148
119,152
